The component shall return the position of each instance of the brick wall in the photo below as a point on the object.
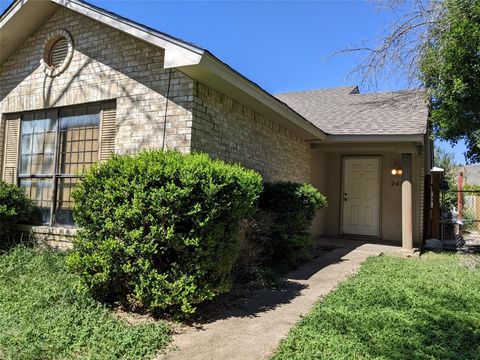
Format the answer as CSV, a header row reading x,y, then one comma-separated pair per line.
x,y
106,64
230,131
155,107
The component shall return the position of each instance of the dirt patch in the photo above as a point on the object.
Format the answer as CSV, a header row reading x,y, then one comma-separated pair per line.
x,y
133,318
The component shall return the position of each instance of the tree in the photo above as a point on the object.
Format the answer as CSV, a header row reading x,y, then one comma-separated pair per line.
x,y
450,69
434,45
446,161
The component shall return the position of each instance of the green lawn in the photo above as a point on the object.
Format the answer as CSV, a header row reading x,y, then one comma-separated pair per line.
x,y
42,316
427,308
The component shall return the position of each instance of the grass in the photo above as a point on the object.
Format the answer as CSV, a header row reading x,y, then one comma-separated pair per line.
x,y
43,316
427,308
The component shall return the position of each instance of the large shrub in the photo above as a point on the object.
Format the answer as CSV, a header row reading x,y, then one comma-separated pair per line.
x,y
279,231
15,207
161,229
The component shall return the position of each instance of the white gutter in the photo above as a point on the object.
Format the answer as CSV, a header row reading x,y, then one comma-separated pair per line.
x,y
416,138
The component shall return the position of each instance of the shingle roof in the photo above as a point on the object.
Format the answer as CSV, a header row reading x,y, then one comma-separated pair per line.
x,y
343,111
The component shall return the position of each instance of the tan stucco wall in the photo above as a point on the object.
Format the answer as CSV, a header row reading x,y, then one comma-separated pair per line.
x,y
328,221
233,132
319,179
106,64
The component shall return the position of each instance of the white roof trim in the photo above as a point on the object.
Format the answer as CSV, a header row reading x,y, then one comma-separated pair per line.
x,y
194,61
177,53
223,71
12,11
416,138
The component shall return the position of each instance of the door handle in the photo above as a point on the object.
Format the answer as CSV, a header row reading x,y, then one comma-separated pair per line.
x,y
345,198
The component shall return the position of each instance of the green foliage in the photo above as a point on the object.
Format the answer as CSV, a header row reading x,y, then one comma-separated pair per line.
x,y
451,73
43,316
471,187
161,229
469,220
281,226
426,308
14,208
446,161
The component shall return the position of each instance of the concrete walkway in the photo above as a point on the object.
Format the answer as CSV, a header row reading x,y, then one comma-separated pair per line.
x,y
254,328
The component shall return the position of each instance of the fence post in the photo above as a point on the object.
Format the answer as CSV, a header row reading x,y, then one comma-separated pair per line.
x,y
436,212
460,197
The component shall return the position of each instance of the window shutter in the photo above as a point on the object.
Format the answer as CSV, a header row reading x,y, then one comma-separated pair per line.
x,y
108,130
2,144
12,133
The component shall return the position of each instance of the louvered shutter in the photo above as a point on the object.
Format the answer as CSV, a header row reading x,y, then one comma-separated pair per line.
x,y
108,130
12,134
2,144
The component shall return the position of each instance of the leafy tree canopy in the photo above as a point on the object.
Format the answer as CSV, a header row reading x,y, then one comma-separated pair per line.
x,y
434,45
450,69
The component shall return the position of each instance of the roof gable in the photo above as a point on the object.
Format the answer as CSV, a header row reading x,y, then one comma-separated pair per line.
x,y
24,17
34,12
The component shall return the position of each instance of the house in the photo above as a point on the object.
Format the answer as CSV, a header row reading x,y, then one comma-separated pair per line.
x,y
78,83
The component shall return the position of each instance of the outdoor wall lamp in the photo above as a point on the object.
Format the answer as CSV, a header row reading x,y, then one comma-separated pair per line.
x,y
397,170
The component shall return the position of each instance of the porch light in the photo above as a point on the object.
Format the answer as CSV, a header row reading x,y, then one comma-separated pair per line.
x,y
397,171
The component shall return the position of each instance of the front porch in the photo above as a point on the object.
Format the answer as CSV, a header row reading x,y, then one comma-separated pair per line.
x,y
375,191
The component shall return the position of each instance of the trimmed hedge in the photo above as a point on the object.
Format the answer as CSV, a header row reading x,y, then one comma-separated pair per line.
x,y
15,207
161,229
280,229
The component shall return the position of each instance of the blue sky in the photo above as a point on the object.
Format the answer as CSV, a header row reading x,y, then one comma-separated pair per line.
x,y
281,45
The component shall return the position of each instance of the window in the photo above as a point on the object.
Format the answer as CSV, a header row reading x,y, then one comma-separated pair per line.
x,y
55,147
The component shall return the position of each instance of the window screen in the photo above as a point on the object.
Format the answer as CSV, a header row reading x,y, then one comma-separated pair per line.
x,y
55,147
37,152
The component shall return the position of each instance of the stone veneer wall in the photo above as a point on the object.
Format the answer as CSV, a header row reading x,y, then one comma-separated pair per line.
x,y
106,64
230,131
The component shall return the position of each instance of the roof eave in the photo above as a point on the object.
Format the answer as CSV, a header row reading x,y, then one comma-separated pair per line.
x,y
383,138
214,73
13,33
195,62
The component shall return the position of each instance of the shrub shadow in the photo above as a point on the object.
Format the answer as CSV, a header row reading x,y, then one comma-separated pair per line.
x,y
247,302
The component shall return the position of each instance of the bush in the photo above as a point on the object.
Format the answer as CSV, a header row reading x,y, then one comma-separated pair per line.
x,y
43,316
15,207
161,229
280,228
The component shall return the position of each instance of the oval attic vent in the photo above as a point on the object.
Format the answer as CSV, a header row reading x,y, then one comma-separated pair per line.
x,y
58,53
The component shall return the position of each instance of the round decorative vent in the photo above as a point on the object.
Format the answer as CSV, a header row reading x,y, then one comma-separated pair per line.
x,y
57,52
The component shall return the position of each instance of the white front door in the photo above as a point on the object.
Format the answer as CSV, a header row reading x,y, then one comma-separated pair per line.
x,y
361,195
